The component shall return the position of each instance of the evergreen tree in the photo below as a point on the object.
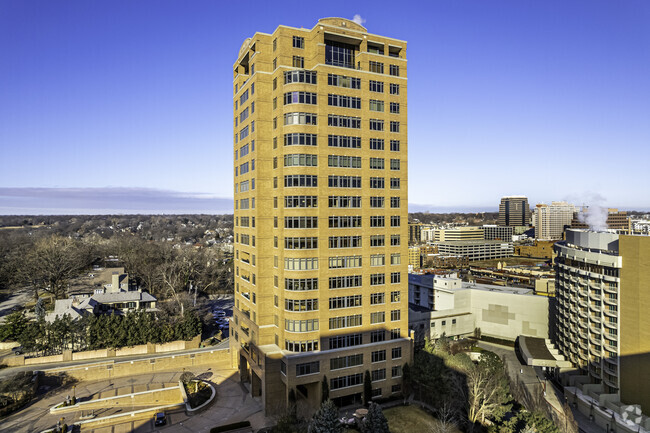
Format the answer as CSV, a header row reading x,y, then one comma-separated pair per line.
x,y
375,421
326,420
325,391
367,388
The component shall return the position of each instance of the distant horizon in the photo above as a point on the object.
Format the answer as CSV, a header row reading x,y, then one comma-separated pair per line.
x,y
149,201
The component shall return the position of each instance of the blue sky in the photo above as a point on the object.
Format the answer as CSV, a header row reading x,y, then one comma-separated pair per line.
x,y
127,100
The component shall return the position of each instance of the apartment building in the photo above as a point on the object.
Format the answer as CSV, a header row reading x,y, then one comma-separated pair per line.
x,y
321,216
602,320
551,220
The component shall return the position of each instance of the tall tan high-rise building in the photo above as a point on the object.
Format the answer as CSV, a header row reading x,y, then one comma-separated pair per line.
x,y
321,222
551,220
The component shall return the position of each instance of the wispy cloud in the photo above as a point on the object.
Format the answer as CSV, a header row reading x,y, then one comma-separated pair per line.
x,y
357,19
61,201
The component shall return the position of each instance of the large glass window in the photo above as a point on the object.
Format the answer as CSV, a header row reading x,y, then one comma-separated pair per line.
x,y
339,54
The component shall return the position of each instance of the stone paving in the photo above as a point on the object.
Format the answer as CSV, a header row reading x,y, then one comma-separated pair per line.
x,y
232,405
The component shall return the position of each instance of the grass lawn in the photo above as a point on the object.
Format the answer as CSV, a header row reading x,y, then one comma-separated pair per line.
x,y
409,419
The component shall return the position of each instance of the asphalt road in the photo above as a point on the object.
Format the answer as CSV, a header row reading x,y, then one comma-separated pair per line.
x,y
18,299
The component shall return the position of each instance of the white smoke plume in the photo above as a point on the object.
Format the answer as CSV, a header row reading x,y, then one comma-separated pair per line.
x,y
593,213
357,19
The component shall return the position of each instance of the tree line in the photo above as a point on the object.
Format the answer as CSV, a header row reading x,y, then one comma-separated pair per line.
x,y
97,332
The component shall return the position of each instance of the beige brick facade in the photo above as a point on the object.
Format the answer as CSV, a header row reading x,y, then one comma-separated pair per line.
x,y
306,161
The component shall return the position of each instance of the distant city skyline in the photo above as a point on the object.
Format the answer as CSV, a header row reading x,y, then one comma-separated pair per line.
x,y
118,107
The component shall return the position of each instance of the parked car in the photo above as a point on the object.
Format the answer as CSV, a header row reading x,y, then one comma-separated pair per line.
x,y
18,350
160,419
219,313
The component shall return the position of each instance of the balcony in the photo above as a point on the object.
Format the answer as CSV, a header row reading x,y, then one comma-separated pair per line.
x,y
610,289
609,370
595,318
594,330
595,296
610,382
610,325
611,313
610,301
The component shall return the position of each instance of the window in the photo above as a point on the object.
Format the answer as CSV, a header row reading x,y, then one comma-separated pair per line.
x,y
346,361
343,81
339,54
376,105
377,317
252,72
376,86
394,126
376,144
377,260
243,151
377,240
377,182
376,125
344,181
395,221
396,388
300,160
300,222
307,368
343,101
344,161
244,97
243,133
342,341
299,243
300,139
377,221
377,336
298,42
345,302
345,282
378,356
377,163
394,164
395,259
395,315
293,201
377,202
298,62
345,321
341,222
395,277
394,182
396,352
299,98
344,262
394,89
275,63
301,304
308,325
243,115
377,279
275,44
395,334
379,374
300,181
300,284
394,145
396,371
343,121
394,202
300,118
299,264
345,241
344,141
301,346
376,67
377,298
394,70
346,381
375,49
394,107
342,201
243,169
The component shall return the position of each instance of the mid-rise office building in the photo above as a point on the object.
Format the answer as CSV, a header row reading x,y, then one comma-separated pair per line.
x,y
603,325
464,233
551,220
321,215
514,211
415,232
613,219
498,233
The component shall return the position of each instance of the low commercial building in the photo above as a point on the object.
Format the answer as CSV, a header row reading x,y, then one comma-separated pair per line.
x,y
477,249
538,249
444,304
465,233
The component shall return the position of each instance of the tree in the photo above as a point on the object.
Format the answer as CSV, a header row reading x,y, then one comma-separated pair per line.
x,y
53,261
375,421
407,380
367,388
325,391
447,419
326,420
